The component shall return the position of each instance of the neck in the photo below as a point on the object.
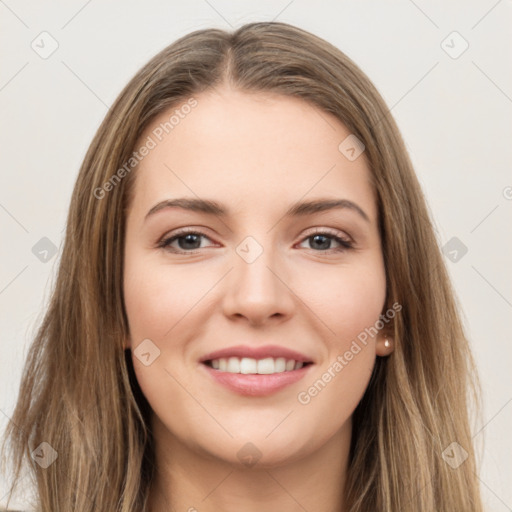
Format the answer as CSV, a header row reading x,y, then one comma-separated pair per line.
x,y
186,480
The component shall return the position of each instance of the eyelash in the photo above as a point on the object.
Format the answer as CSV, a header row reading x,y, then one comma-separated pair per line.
x,y
165,242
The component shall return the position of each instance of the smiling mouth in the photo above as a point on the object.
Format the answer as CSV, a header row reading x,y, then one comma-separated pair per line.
x,y
251,366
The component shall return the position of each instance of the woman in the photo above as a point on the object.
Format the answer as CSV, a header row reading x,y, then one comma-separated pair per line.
x,y
251,310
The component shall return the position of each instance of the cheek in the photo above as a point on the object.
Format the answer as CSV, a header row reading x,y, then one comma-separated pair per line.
x,y
157,300
335,391
350,308
347,300
161,298
158,297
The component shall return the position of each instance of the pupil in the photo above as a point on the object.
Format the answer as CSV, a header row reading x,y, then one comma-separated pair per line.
x,y
321,241
325,244
188,239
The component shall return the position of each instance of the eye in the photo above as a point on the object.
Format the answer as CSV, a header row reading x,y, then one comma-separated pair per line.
x,y
189,241
322,240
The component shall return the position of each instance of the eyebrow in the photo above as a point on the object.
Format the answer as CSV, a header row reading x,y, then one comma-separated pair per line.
x,y
297,209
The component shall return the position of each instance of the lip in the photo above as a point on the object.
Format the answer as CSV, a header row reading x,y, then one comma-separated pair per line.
x,y
257,353
255,384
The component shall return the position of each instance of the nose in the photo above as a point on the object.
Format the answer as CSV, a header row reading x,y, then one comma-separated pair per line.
x,y
258,291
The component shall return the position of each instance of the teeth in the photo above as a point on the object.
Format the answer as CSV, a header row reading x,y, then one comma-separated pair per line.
x,y
266,366
233,365
280,364
248,365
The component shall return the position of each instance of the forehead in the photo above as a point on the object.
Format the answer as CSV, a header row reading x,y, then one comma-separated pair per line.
x,y
249,150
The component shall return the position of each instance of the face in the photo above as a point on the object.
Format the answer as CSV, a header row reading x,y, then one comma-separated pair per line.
x,y
252,316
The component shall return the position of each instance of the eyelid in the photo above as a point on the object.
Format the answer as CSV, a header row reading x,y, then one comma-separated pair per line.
x,y
341,237
328,231
163,242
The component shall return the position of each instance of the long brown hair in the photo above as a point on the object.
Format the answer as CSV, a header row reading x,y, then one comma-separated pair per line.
x,y
78,392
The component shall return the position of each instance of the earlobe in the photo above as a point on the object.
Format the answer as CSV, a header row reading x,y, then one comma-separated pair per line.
x,y
385,346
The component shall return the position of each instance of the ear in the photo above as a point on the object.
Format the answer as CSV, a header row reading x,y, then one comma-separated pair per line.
x,y
385,344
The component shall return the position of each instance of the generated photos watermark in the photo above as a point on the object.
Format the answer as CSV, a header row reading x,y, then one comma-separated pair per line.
x,y
342,360
151,142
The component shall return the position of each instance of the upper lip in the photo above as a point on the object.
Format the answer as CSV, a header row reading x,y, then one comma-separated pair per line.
x,y
260,352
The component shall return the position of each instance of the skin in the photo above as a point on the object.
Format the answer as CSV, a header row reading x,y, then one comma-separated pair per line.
x,y
256,154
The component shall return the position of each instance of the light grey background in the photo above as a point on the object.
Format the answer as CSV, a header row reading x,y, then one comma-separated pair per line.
x,y
454,114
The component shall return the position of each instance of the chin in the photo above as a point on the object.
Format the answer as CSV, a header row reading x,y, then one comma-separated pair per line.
x,y
257,452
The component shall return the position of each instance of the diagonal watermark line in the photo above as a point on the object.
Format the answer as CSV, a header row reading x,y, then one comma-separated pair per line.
x,y
320,114
418,492
414,86
218,217
9,419
304,195
280,423
218,485
14,76
13,217
85,85
219,13
492,211
487,423
76,14
13,279
198,402
14,14
424,13
198,301
478,22
4,497
492,81
487,281
282,10
492,492
301,300
286,490
31,449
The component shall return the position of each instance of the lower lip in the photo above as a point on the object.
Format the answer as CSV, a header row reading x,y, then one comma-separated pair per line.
x,y
255,384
